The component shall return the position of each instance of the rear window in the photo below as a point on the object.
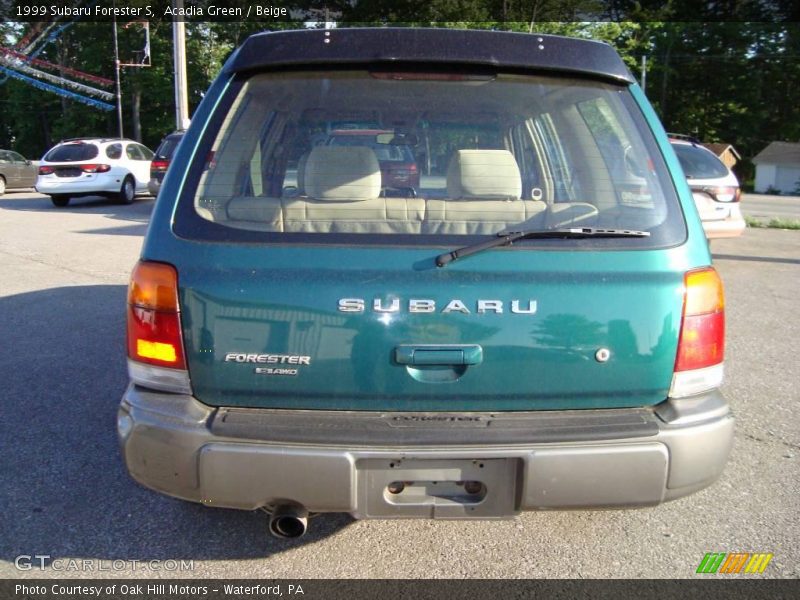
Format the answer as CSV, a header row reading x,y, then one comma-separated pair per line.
x,y
167,147
489,153
699,163
72,152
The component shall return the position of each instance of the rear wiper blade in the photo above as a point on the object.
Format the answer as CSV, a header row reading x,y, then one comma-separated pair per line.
x,y
506,238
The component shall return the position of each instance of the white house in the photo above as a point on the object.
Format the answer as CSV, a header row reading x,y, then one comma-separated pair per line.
x,y
778,167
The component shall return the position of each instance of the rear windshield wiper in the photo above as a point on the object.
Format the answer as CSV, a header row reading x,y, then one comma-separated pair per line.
x,y
506,238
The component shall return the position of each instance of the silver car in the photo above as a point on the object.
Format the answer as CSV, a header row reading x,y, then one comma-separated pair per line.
x,y
15,171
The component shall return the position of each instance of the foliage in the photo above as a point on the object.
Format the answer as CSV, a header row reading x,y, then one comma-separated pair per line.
x,y
732,81
32,120
775,223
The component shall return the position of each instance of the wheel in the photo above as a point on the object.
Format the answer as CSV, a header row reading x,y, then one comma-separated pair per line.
x,y
2,185
59,201
128,190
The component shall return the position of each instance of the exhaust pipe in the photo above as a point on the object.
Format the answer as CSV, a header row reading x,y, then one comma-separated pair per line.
x,y
288,521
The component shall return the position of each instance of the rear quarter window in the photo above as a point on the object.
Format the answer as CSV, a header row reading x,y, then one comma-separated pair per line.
x,y
488,153
114,151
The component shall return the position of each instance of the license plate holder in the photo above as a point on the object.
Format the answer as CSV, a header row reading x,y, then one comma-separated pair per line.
x,y
439,488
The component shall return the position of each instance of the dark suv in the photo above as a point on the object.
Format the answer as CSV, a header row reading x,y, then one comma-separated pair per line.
x,y
163,156
538,327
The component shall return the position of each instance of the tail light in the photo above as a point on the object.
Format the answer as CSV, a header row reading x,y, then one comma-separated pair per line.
x,y
159,165
721,193
46,170
155,343
701,345
95,168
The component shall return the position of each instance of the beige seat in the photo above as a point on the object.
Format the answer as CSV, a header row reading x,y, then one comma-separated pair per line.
x,y
342,174
301,174
342,186
484,189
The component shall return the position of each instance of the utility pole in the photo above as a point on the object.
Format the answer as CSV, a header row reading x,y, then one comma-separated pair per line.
x,y
179,54
116,76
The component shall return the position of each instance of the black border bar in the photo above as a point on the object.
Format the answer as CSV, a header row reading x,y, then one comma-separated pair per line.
x,y
376,12
708,587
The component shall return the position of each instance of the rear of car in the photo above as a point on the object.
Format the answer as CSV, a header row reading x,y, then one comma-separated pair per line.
x,y
538,327
115,168
715,189
161,159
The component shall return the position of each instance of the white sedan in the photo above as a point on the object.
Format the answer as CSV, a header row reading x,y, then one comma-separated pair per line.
x,y
113,167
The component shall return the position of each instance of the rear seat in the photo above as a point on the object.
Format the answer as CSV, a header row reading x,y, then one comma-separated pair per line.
x,y
343,184
343,187
484,189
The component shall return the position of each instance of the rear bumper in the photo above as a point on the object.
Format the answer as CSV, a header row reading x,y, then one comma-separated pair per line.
x,y
154,184
335,462
732,226
105,183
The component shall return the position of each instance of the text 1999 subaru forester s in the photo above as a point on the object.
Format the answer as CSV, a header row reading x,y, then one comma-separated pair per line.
x,y
534,325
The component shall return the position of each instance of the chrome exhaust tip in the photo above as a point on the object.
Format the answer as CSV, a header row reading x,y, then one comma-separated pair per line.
x,y
288,521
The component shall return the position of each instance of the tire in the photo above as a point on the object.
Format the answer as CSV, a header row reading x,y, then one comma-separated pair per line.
x,y
59,201
128,190
2,185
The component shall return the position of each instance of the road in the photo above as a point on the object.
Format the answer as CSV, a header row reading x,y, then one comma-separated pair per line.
x,y
65,492
763,206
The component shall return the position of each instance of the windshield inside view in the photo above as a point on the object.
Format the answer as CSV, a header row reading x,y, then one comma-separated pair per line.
x,y
422,154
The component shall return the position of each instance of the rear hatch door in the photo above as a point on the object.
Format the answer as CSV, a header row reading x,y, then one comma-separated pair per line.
x,y
504,330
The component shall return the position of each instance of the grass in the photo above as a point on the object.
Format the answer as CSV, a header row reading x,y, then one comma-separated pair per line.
x,y
772,223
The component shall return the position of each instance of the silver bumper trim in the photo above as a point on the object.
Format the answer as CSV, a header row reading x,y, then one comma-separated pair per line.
x,y
170,448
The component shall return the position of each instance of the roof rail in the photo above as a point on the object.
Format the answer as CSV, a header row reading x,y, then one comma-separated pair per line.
x,y
98,138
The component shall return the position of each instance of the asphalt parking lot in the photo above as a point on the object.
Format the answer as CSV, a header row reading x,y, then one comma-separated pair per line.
x,y
65,492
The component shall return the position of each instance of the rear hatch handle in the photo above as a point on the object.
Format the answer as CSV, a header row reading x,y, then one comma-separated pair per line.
x,y
438,354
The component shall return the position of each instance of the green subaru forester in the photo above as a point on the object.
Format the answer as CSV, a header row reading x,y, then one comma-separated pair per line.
x,y
523,317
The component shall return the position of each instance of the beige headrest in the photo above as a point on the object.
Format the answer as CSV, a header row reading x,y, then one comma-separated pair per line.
x,y
342,173
483,175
